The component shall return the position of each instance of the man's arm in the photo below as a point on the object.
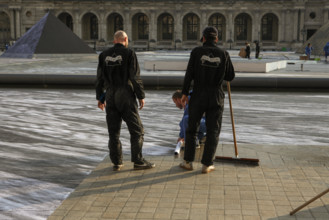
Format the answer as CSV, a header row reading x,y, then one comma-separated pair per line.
x,y
189,76
100,83
229,69
134,76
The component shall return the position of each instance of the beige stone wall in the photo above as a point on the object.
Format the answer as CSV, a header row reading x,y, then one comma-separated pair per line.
x,y
293,17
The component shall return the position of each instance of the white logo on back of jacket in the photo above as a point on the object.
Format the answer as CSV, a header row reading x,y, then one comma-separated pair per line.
x,y
114,60
210,61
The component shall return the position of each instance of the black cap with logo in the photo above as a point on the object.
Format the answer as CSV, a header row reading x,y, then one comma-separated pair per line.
x,y
209,32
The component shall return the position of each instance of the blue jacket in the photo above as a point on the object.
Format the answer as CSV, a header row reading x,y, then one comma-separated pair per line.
x,y
326,48
184,123
308,50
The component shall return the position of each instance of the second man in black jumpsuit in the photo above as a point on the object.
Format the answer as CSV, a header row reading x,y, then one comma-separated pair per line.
x,y
208,67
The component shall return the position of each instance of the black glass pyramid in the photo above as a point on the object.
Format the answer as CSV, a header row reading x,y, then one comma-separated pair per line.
x,y
48,36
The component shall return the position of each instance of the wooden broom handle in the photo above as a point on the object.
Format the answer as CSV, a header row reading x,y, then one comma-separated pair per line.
x,y
308,202
232,118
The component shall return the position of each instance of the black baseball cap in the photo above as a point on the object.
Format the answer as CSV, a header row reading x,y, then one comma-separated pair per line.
x,y
209,32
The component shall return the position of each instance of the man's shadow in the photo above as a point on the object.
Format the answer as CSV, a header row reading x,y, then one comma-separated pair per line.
x,y
129,179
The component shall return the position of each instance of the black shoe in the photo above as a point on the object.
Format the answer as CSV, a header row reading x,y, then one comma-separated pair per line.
x,y
143,164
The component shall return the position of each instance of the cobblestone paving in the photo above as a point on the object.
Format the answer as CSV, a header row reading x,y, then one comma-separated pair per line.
x,y
234,191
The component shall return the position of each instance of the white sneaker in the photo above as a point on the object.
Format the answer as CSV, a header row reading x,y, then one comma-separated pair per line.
x,y
208,169
117,167
186,165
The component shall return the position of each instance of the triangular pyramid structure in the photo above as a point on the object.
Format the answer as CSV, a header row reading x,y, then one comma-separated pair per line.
x,y
318,41
48,36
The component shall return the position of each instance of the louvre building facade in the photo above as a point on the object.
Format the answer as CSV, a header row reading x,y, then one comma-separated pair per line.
x,y
173,24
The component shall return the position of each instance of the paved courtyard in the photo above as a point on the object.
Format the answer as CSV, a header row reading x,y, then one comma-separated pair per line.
x,y
54,159
270,191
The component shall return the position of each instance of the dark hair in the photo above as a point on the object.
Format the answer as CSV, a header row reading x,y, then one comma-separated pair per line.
x,y
308,44
209,33
210,38
177,94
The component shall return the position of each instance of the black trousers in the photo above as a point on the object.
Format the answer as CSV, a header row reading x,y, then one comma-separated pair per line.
x,y
213,123
114,119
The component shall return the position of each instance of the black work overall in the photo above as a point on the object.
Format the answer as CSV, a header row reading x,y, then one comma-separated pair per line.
x,y
118,73
208,67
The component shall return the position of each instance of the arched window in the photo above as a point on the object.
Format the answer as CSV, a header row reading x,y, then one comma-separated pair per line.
x,y
114,23
67,19
191,27
89,27
269,27
140,27
165,27
4,28
242,26
143,27
218,21
118,23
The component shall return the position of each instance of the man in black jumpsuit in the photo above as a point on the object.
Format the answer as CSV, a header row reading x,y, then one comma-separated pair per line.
x,y
118,73
208,67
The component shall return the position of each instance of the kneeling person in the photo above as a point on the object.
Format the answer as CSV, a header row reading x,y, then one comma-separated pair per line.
x,y
201,136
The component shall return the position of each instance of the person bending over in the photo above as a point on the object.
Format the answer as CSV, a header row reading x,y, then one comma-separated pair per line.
x,y
176,97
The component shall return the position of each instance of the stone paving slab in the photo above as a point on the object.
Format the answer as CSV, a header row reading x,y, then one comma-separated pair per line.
x,y
282,182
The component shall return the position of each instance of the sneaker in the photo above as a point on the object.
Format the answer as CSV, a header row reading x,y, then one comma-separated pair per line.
x,y
186,165
203,140
143,164
117,167
208,169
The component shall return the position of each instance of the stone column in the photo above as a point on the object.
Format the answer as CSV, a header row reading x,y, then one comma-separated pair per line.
x,y
203,21
282,26
229,26
102,25
178,26
77,24
295,24
153,26
12,24
18,23
255,33
127,23
178,33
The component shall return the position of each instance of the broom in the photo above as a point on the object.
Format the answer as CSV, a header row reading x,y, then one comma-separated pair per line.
x,y
235,159
309,201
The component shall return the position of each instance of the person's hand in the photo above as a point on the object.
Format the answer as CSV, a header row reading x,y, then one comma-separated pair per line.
x,y
101,105
141,103
180,139
184,100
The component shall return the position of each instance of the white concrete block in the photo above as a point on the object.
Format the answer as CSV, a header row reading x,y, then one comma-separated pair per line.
x,y
249,66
